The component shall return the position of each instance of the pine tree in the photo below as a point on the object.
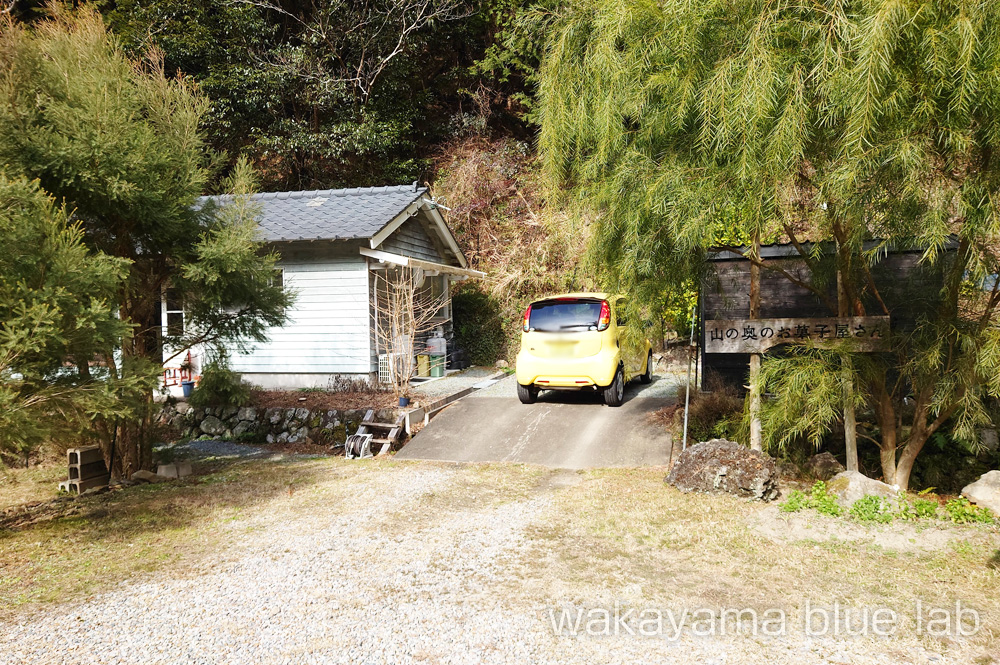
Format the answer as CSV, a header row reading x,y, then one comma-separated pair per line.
x,y
119,143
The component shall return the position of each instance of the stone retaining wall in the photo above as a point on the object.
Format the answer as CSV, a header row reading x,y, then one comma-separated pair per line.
x,y
272,425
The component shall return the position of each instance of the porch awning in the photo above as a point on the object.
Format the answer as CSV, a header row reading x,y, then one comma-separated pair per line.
x,y
427,266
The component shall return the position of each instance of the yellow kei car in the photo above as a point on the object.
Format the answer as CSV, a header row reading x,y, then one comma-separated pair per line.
x,y
580,341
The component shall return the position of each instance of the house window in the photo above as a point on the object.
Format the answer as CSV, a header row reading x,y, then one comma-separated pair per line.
x,y
279,278
174,312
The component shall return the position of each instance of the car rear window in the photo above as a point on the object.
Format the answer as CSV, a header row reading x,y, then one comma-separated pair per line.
x,y
564,315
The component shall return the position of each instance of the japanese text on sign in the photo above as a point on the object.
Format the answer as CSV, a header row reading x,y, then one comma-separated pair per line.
x,y
864,333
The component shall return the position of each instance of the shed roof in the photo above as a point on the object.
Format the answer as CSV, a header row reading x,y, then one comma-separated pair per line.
x,y
329,214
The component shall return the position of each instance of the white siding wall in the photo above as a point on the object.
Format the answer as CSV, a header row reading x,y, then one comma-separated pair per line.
x,y
328,325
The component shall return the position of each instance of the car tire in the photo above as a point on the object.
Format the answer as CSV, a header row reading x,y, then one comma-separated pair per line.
x,y
614,394
527,394
647,376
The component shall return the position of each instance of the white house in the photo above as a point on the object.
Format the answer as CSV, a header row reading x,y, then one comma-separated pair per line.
x,y
330,242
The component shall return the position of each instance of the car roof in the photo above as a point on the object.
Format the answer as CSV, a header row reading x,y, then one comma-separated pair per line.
x,y
578,294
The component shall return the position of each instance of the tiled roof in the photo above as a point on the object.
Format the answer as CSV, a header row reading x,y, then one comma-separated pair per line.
x,y
329,214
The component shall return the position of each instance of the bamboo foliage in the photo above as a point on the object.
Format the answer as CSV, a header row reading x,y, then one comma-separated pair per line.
x,y
871,123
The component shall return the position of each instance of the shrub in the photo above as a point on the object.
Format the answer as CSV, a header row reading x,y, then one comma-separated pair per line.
x,y
819,499
872,508
479,330
925,508
823,501
960,511
714,414
220,386
795,502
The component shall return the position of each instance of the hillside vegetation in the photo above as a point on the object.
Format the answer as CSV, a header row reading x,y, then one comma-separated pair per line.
x,y
510,229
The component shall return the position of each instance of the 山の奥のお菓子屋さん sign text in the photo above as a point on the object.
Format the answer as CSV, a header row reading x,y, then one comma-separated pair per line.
x,y
859,333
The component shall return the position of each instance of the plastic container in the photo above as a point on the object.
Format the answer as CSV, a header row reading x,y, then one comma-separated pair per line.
x,y
423,364
437,346
187,387
404,401
437,365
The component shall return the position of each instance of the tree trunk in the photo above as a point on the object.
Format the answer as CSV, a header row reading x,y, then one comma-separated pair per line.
x,y
886,416
131,440
909,455
850,419
756,438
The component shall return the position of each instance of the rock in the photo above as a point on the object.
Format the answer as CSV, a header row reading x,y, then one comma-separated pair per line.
x,y
247,413
723,466
167,470
787,469
503,364
823,466
147,477
182,407
242,428
274,415
989,439
849,486
212,425
301,415
229,412
985,492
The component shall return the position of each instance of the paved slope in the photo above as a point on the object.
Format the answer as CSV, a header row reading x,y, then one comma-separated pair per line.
x,y
563,429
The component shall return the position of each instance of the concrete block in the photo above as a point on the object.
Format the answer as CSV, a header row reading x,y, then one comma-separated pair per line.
x,y
88,470
80,486
64,486
183,469
78,456
412,417
167,470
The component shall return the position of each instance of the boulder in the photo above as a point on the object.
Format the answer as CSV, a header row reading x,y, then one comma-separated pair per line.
x,y
849,486
247,413
724,466
212,425
147,477
985,492
823,466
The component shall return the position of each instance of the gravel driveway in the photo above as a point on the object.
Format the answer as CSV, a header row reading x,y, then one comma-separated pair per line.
x,y
406,563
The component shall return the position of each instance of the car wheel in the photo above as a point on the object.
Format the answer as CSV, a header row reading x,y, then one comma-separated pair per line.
x,y
614,394
527,394
647,376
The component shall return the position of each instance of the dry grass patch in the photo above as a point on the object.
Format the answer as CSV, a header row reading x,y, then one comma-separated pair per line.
x,y
19,487
623,534
96,542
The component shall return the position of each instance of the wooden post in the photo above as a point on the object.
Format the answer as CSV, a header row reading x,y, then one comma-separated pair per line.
x,y
847,379
755,428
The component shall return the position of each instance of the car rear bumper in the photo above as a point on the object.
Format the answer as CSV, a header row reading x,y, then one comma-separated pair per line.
x,y
596,370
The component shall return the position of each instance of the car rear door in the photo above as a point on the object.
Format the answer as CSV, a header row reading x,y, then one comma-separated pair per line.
x,y
564,328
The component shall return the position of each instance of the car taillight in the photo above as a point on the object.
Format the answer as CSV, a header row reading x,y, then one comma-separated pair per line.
x,y
605,320
527,315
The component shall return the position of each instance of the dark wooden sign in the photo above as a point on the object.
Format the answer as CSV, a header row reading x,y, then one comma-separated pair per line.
x,y
859,333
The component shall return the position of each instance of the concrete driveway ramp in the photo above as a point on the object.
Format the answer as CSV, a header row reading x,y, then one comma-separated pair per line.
x,y
572,430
